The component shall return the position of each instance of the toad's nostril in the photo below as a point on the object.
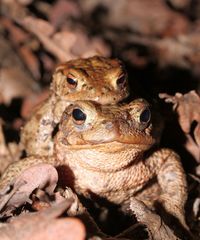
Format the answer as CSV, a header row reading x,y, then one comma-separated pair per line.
x,y
96,99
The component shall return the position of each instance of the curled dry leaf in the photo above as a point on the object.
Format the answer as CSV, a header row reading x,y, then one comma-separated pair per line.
x,y
187,108
156,227
44,225
42,176
62,44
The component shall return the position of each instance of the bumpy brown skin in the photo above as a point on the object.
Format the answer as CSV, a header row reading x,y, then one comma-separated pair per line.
x,y
97,78
109,155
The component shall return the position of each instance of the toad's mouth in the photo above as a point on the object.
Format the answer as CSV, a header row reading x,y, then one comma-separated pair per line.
x,y
109,152
135,140
112,146
104,157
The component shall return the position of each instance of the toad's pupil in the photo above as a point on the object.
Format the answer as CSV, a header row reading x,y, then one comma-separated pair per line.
x,y
145,116
71,81
78,115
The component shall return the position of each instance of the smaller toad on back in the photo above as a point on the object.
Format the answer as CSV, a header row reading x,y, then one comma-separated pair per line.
x,y
98,79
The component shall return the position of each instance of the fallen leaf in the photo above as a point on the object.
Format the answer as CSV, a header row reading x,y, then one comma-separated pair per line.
x,y
152,18
32,101
187,108
22,42
155,225
15,81
62,10
44,225
61,44
42,176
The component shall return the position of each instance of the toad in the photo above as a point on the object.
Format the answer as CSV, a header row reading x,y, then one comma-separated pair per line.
x,y
97,78
108,150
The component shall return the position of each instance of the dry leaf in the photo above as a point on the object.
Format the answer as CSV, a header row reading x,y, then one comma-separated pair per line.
x,y
144,17
62,10
44,225
156,227
15,81
61,44
187,108
42,176
32,101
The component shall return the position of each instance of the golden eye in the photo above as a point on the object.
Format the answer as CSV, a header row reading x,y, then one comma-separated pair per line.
x,y
121,81
79,116
145,116
71,81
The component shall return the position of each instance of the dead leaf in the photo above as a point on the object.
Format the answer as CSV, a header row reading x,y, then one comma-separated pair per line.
x,y
187,108
24,44
15,81
158,20
32,101
156,227
42,176
61,44
12,8
9,87
62,10
44,225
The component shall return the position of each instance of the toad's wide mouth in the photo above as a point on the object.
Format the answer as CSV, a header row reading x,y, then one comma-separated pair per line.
x,y
104,157
134,140
112,146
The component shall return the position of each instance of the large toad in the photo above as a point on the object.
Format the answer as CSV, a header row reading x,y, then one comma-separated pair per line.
x,y
108,153
97,78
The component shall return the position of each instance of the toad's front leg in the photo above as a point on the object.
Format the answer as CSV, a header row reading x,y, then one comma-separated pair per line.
x,y
172,180
37,132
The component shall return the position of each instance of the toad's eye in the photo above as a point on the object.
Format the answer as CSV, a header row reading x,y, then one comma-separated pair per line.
x,y
72,83
79,116
145,116
121,80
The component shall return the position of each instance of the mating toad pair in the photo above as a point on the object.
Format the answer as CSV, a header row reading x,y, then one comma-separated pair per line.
x,y
107,147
